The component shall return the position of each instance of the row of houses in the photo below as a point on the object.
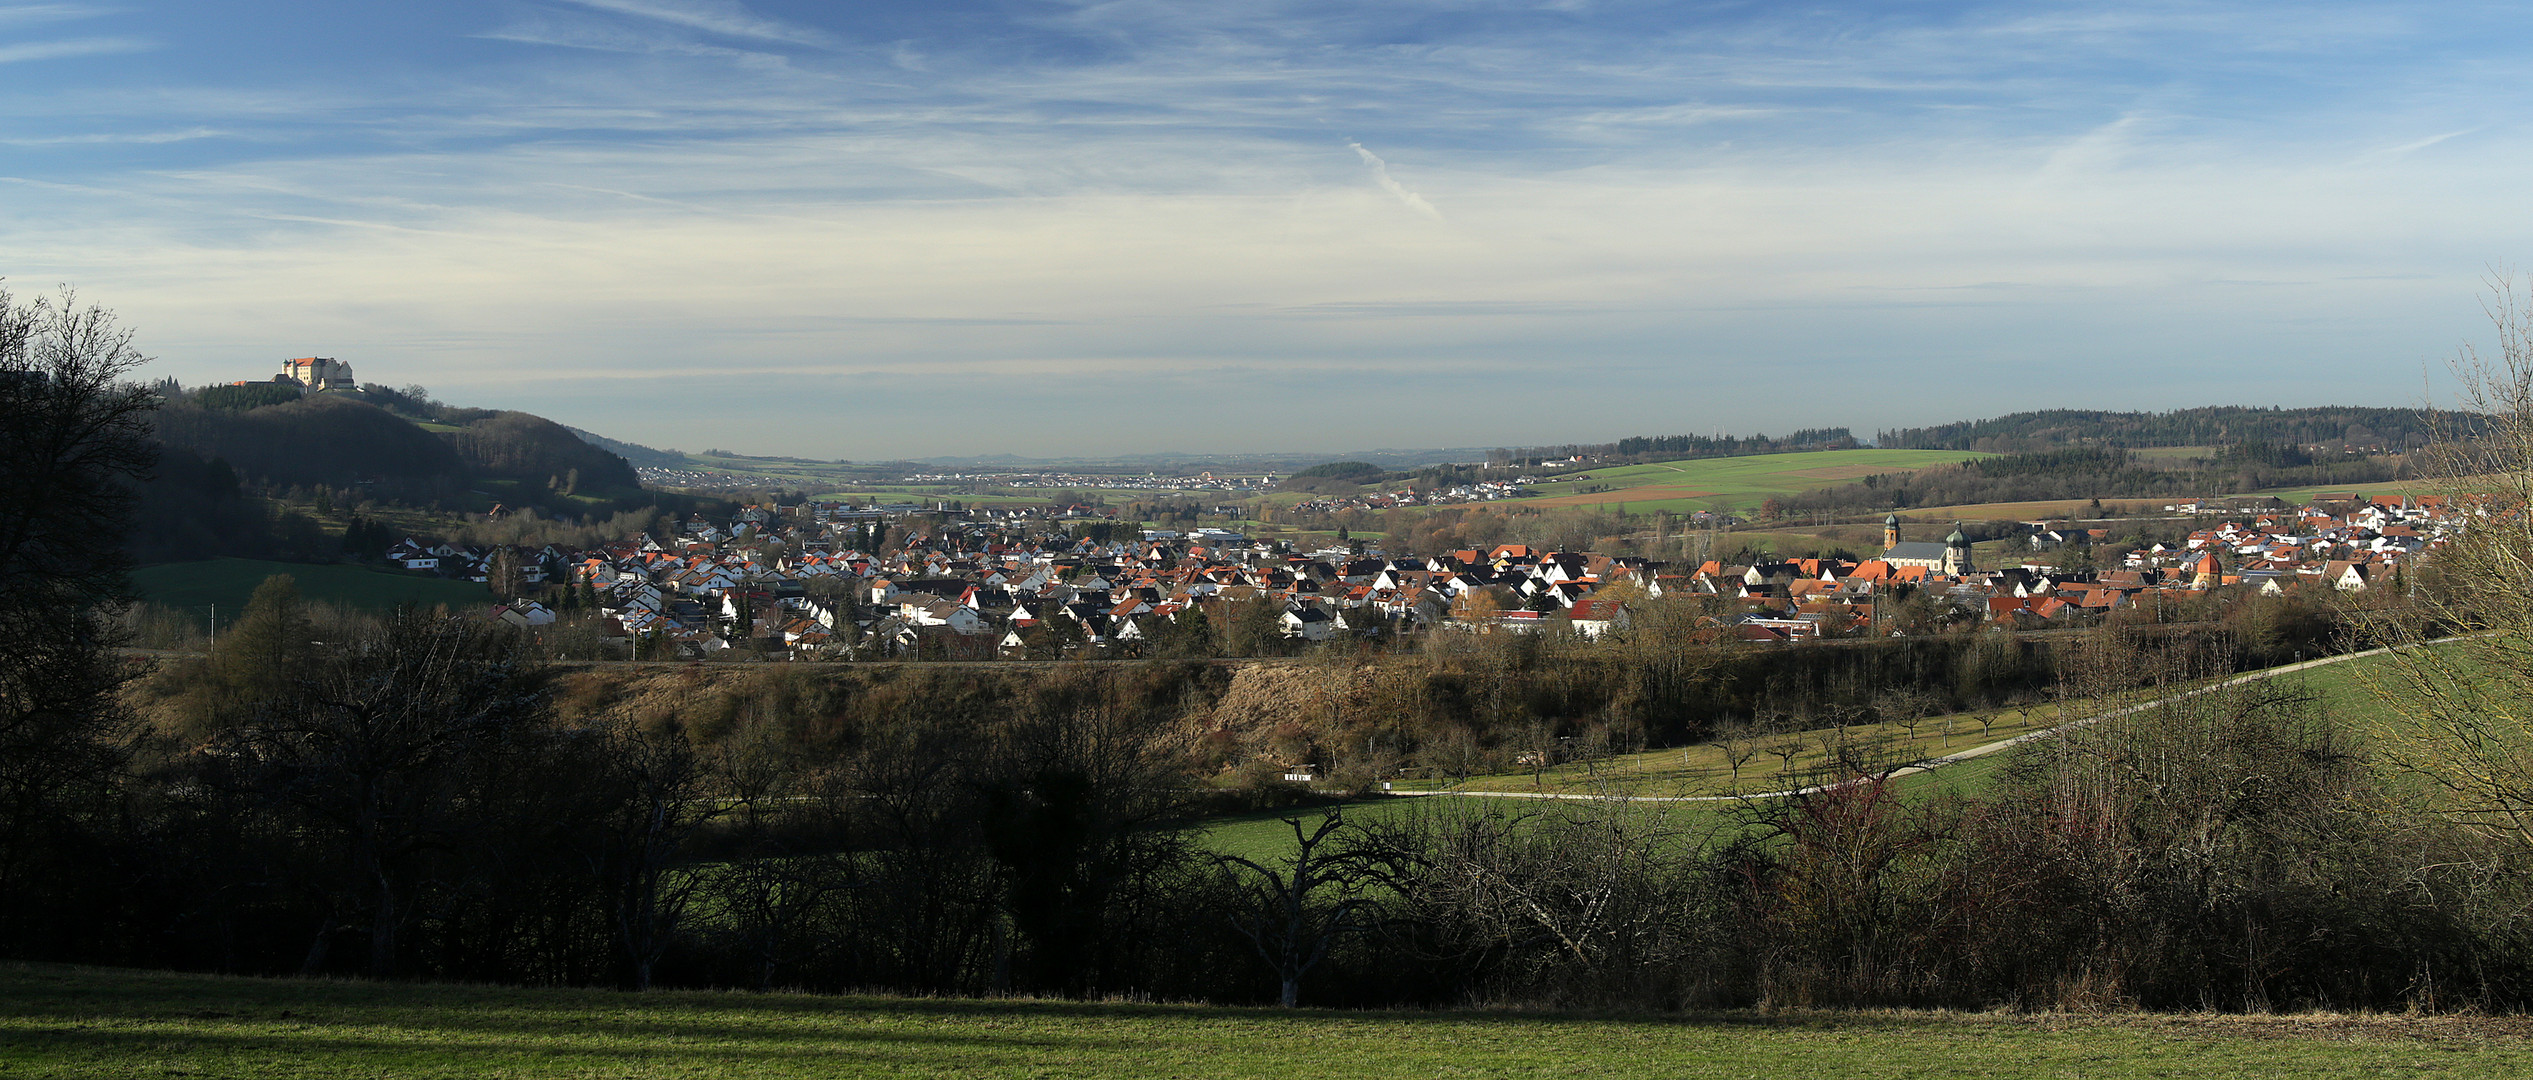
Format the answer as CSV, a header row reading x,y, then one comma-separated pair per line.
x,y
797,582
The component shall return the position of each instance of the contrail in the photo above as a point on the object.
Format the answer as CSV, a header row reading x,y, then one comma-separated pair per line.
x,y
1381,175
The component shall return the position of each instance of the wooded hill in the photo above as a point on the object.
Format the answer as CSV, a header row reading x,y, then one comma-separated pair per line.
x,y
1637,449
334,440
222,447
2356,428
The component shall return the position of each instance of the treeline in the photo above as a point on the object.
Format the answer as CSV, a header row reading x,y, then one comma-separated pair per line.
x,y
2334,427
1643,448
2080,474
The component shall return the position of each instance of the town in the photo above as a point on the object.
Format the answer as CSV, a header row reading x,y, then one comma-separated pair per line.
x,y
814,581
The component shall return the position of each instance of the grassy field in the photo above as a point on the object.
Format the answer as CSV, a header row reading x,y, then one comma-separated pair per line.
x,y
192,587
87,1022
1695,771
1735,483
1705,770
2301,495
2054,509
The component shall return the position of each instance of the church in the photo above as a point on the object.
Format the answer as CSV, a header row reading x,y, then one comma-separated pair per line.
x,y
1951,558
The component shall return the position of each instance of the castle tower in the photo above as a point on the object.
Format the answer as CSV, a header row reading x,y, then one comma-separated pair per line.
x,y
1890,532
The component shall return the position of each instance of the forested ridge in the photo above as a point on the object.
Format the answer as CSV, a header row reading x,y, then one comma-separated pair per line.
x,y
1643,448
2391,430
2078,475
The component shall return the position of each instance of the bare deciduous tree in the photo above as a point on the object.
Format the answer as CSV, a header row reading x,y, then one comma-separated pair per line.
x,y
2468,704
74,434
1291,930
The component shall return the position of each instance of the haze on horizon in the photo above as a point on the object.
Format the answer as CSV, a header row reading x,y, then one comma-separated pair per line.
x,y
1053,228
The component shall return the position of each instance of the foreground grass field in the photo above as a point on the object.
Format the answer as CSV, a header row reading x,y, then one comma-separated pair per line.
x,y
82,1022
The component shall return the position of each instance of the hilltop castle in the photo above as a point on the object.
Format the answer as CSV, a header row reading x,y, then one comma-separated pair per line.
x,y
317,373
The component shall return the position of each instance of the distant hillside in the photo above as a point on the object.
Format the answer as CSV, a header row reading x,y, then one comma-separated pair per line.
x,y
2359,428
538,451
638,455
1640,449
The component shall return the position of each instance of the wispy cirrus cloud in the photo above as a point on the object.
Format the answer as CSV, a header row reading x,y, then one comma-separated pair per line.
x,y
722,17
70,48
128,138
596,36
35,14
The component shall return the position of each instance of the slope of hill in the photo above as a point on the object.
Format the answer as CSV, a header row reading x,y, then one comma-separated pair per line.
x,y
635,454
344,442
1727,483
260,473
520,446
324,439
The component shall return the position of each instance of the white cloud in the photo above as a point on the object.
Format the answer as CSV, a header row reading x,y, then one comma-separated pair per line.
x,y
1381,176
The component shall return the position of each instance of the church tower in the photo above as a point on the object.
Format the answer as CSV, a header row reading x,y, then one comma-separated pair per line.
x,y
2207,573
1890,532
1956,553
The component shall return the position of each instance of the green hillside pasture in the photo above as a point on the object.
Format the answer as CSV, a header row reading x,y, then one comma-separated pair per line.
x,y
1264,837
2300,495
1705,770
1734,483
1702,770
66,1021
193,586
2338,692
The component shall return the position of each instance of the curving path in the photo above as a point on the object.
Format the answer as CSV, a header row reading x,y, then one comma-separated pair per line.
x,y
1930,764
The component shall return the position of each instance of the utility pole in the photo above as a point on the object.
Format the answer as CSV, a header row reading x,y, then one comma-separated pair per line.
x,y
215,626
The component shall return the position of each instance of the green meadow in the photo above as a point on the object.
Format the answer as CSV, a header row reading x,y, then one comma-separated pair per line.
x,y
1733,483
192,587
89,1022
1770,762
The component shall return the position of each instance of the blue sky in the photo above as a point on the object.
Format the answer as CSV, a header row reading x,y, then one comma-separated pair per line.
x,y
880,230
